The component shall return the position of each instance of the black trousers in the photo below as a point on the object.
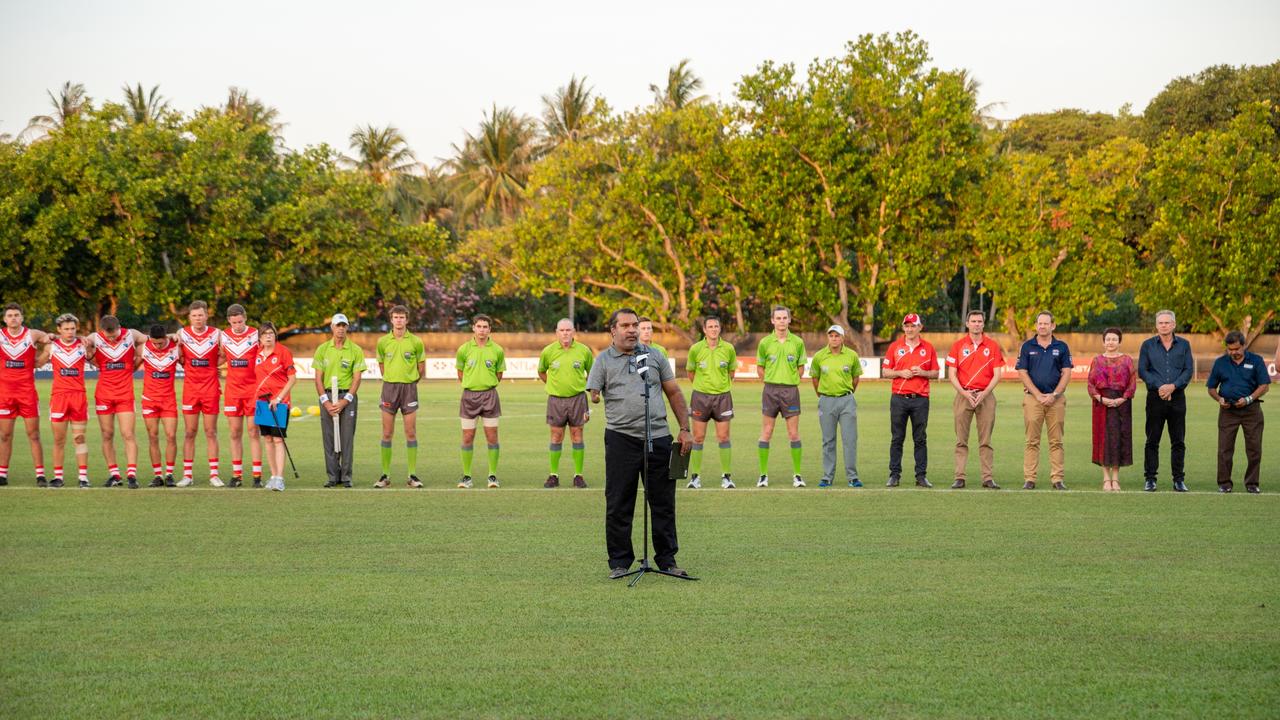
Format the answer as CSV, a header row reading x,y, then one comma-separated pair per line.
x,y
1171,412
901,409
623,466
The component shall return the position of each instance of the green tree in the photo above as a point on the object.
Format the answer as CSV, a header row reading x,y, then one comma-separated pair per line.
x,y
679,89
1210,99
70,101
1213,250
381,153
1064,134
570,114
142,106
491,168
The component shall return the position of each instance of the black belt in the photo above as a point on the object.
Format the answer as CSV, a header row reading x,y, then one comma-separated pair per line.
x,y
838,396
910,395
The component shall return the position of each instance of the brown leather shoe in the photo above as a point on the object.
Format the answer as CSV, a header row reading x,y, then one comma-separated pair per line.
x,y
1059,486
673,570
1029,485
990,485
957,485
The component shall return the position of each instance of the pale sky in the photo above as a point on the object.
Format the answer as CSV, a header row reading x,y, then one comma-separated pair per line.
x,y
431,69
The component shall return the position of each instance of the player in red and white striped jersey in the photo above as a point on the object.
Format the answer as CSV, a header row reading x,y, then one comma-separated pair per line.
x,y
18,389
161,358
200,389
68,405
240,353
116,353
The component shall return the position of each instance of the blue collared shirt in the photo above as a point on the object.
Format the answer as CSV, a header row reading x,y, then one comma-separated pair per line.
x,y
1236,381
1044,365
1157,366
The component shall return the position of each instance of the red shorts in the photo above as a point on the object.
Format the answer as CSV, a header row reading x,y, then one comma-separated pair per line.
x,y
239,407
68,407
23,404
162,407
206,404
112,406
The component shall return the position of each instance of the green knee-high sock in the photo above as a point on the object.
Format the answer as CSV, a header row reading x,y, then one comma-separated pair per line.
x,y
555,450
411,453
762,449
579,455
795,456
493,459
726,455
386,457
695,459
468,452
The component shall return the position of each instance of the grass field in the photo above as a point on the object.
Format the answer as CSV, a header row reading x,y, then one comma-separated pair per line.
x,y
494,603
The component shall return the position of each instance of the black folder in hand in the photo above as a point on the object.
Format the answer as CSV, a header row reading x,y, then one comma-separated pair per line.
x,y
678,466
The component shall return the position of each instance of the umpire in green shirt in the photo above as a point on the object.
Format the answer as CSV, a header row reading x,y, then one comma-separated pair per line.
x,y
780,360
341,359
835,370
563,366
480,364
711,364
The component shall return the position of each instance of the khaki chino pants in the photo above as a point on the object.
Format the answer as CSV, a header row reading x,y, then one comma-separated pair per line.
x,y
1037,416
964,413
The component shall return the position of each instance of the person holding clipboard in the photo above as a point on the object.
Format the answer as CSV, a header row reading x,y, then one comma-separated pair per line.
x,y
276,376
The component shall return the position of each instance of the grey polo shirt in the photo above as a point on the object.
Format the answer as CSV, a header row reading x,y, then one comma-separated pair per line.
x,y
615,376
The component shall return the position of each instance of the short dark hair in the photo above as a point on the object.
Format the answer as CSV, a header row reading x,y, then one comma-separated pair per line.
x,y
13,306
398,310
157,332
482,316
1045,312
1112,331
643,318
266,326
782,308
234,310
613,319
980,313
110,323
1235,337
708,319
198,305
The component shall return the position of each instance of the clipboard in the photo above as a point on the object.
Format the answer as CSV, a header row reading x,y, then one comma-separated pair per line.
x,y
263,417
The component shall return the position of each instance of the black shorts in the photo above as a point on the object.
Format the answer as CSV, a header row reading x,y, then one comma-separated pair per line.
x,y
269,431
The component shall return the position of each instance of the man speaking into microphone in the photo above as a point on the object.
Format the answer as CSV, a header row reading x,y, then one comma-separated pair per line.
x,y
625,373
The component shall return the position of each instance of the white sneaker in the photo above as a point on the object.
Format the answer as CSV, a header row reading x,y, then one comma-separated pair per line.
x,y
763,481
279,484
726,482
215,481
797,481
493,481
695,483
184,482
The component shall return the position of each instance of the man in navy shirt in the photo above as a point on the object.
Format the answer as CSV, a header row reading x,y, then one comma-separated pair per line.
x,y
1165,365
1237,382
1044,364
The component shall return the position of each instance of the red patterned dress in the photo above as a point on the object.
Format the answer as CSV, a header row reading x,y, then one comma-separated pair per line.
x,y
1113,377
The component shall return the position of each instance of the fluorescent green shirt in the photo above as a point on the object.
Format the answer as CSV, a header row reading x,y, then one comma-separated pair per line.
x,y
835,372
782,360
712,368
400,357
342,363
660,349
480,365
566,368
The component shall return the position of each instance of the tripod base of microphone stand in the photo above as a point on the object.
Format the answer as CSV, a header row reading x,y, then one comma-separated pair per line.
x,y
646,568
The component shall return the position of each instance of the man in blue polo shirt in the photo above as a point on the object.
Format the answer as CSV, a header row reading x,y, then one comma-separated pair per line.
x,y
1044,364
1237,383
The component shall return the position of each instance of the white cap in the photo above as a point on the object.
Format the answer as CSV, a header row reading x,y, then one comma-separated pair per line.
x,y
836,329
339,319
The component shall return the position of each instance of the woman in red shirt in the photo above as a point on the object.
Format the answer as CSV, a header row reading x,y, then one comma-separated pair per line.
x,y
276,376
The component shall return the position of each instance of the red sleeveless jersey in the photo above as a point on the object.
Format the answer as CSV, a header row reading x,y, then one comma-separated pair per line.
x,y
19,371
200,360
114,358
241,352
159,367
68,365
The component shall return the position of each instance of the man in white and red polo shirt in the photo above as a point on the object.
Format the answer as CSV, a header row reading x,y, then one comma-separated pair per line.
x,y
975,364
910,362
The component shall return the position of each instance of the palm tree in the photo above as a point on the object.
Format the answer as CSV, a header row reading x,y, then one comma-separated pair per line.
x,y
252,111
383,154
567,116
680,88
70,101
491,168
144,107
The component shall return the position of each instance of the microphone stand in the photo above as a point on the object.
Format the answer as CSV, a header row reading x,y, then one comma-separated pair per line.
x,y
645,567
